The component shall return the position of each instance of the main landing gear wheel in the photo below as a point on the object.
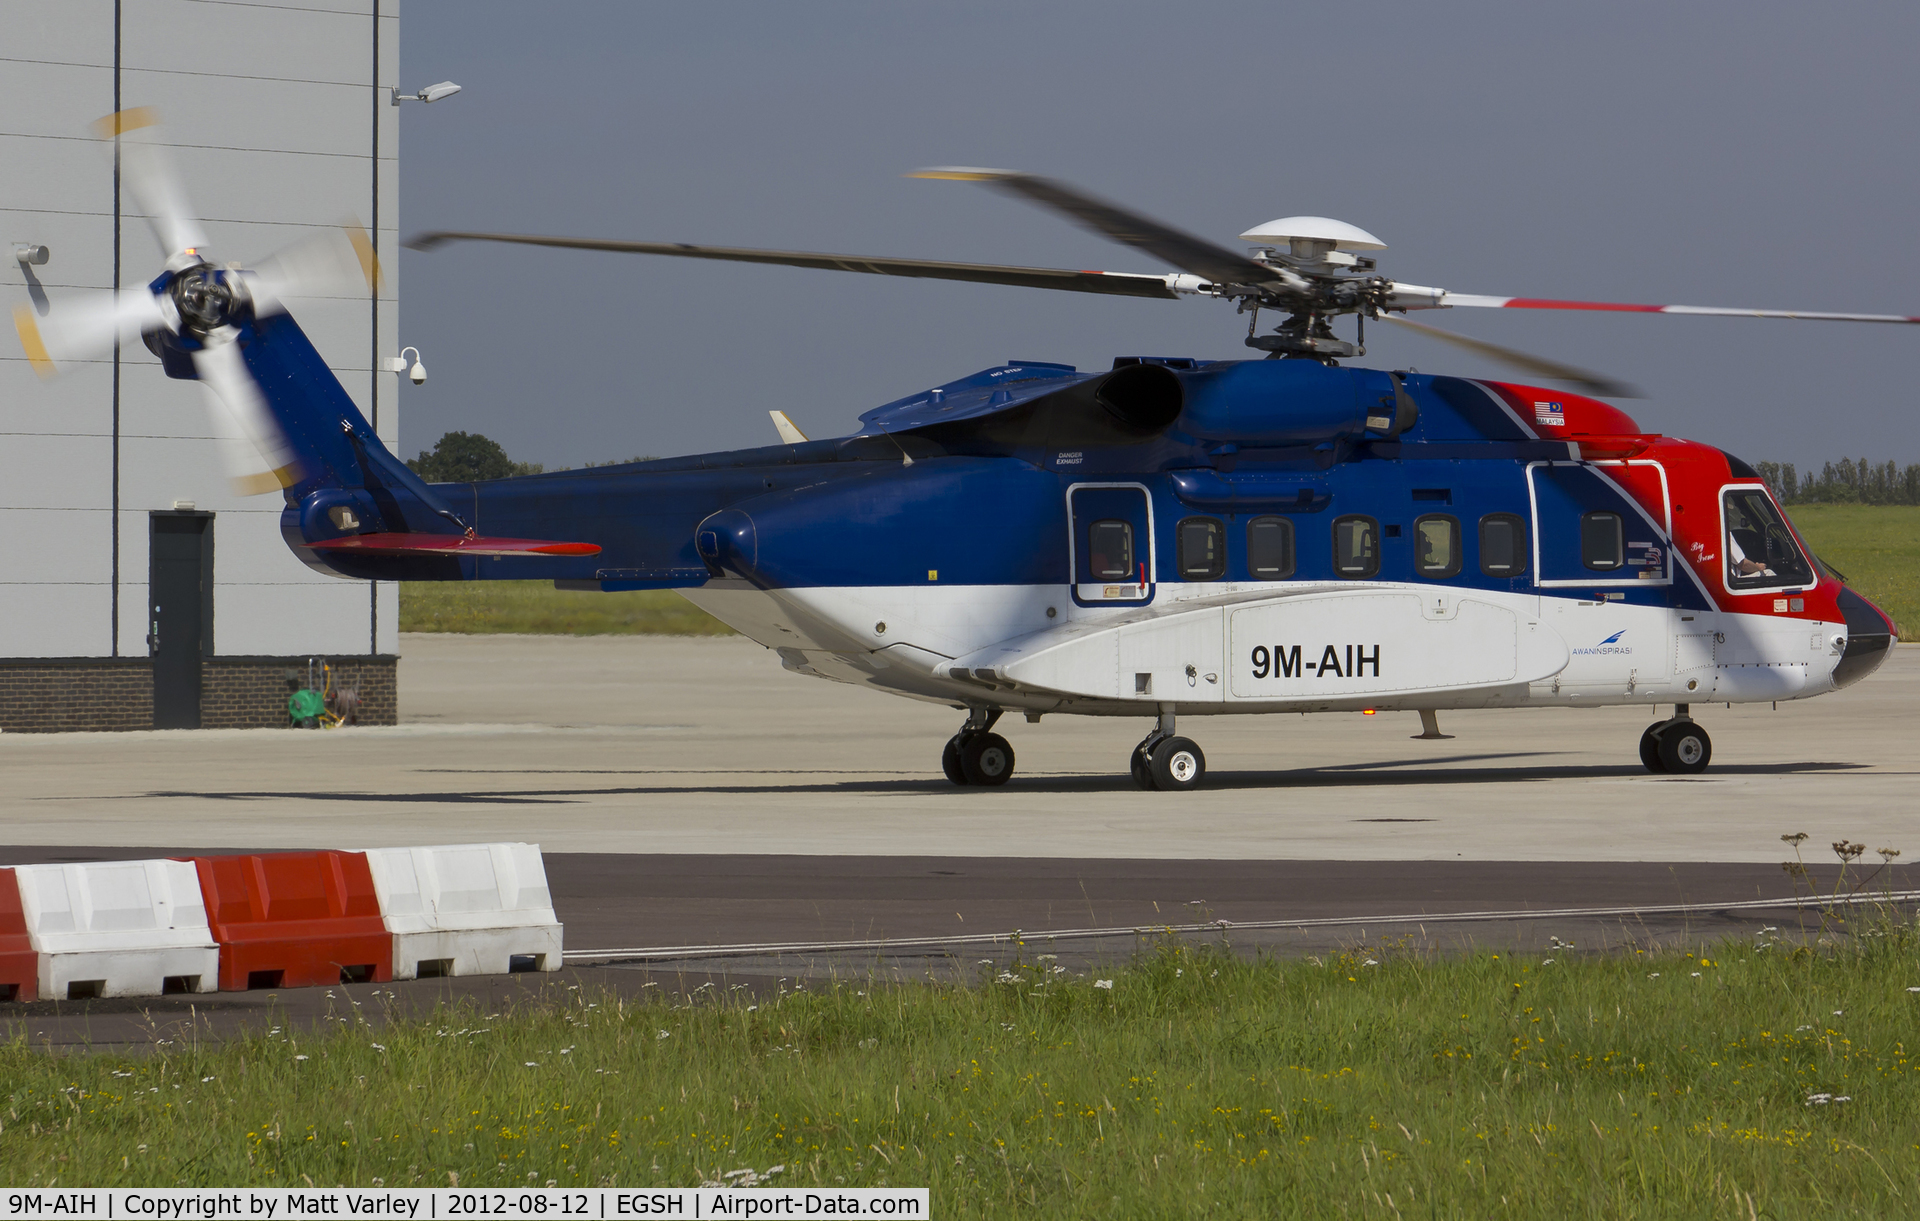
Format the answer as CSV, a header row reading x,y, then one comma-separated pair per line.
x,y
1650,748
1177,764
976,755
950,761
987,759
1685,749
1163,761
1140,767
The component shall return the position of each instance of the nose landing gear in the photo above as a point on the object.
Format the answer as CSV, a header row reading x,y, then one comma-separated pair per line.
x,y
976,756
1677,746
1166,761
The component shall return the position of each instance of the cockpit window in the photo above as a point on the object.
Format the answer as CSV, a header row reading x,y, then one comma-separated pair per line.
x,y
1761,553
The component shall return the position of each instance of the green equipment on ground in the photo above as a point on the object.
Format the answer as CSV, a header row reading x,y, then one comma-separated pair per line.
x,y
304,708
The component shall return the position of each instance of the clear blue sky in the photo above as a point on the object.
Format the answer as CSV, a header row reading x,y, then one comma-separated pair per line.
x,y
1746,154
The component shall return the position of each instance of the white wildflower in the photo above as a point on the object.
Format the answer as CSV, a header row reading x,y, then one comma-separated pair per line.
x,y
1108,984
296,1057
665,1034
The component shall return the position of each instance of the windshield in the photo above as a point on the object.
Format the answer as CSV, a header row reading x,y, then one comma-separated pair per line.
x,y
1761,553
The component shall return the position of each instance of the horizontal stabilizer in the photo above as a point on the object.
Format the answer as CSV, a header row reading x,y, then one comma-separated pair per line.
x,y
451,544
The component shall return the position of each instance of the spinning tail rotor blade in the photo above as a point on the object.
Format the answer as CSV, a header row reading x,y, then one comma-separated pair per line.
x,y
1183,250
259,458
85,327
1112,283
333,263
151,177
1709,311
1539,366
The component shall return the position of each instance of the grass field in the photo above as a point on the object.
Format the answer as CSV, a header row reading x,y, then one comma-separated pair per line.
x,y
1877,546
538,608
1753,1080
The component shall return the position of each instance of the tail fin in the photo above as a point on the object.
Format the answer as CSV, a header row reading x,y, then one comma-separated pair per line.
x,y
336,475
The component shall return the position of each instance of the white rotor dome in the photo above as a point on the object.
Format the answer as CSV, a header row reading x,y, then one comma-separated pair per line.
x,y
1313,229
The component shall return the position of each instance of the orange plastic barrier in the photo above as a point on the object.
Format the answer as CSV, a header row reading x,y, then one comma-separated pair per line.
x,y
19,963
295,919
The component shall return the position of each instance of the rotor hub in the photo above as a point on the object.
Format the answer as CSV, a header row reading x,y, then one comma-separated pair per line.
x,y
1308,334
203,300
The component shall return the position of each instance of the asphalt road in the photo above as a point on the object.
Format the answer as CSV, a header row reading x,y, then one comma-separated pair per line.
x,y
647,911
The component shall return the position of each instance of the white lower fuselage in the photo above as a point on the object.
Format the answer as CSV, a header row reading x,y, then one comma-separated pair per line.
x,y
1233,648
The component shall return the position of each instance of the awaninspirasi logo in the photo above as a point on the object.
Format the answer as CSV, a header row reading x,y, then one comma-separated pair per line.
x,y
1610,645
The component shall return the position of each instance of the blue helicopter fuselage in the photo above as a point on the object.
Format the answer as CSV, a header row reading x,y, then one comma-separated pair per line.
x,y
1171,535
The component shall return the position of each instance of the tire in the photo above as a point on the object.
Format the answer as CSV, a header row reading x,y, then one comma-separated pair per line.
x,y
1140,768
1650,750
1177,765
1685,749
950,761
987,760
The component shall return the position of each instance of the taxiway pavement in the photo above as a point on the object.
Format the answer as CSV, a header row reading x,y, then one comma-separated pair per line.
x,y
687,746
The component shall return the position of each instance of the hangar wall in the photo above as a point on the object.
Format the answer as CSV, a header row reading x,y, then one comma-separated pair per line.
x,y
278,115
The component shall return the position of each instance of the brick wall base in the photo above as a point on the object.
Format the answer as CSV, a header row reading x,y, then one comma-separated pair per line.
x,y
61,695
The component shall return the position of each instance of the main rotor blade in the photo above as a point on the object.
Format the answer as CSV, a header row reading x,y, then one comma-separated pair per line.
x,y
1539,366
151,178
1183,250
1711,311
1113,283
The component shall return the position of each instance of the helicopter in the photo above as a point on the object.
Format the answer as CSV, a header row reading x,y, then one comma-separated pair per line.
x,y
1168,538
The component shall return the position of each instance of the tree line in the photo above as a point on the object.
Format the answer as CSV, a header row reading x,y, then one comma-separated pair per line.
x,y
468,457
1844,482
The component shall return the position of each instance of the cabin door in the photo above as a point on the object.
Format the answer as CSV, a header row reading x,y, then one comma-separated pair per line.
x,y
1111,544
1602,541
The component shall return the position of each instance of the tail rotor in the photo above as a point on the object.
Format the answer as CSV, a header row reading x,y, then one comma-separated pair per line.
x,y
198,313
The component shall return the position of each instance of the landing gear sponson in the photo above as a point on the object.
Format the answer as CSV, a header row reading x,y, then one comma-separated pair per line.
x,y
976,755
1676,745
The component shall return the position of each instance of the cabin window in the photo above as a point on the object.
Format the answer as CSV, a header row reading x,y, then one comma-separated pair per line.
x,y
1269,548
1201,547
1761,553
1503,545
1110,550
1356,546
1436,541
1603,541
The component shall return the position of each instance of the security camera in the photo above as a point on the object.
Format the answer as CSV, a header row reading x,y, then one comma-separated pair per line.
x,y
398,364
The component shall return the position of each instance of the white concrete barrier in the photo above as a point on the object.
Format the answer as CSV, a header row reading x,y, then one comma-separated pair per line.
x,y
118,928
466,909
